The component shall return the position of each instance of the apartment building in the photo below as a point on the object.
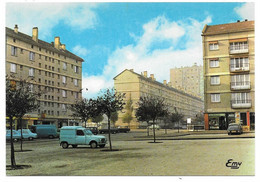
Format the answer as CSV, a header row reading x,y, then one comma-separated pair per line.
x,y
189,79
50,68
229,74
136,85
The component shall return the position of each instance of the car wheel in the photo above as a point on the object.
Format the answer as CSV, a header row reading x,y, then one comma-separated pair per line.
x,y
30,138
64,145
51,136
93,144
74,146
15,140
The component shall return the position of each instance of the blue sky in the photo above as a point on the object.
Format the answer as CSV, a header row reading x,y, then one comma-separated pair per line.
x,y
111,37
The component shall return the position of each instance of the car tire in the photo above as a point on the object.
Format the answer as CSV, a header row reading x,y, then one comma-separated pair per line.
x,y
64,145
51,136
93,145
30,138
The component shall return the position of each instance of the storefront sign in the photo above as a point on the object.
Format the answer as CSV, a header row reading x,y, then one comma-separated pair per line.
x,y
237,117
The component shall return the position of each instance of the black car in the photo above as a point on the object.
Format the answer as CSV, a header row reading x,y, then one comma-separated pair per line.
x,y
94,130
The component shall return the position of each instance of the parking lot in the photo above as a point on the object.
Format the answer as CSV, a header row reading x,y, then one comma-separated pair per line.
x,y
135,157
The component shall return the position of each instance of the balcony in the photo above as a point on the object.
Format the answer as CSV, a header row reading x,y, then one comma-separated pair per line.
x,y
238,49
244,67
240,85
240,104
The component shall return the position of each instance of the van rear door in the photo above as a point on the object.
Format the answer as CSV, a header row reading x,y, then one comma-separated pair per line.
x,y
80,137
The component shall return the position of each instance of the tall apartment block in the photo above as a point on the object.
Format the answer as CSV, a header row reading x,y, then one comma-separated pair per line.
x,y
229,74
48,67
189,79
136,85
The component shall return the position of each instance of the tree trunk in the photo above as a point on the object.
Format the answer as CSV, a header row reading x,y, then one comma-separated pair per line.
x,y
21,125
13,164
148,128
109,134
153,132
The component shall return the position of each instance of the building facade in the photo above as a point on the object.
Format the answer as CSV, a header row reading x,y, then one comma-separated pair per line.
x,y
229,74
49,68
136,85
189,79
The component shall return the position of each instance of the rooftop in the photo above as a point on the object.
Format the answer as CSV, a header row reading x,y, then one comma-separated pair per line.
x,y
228,28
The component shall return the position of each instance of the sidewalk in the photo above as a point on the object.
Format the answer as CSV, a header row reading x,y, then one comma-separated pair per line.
x,y
190,135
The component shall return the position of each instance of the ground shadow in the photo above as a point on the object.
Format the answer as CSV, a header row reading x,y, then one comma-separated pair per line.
x,y
23,150
155,142
9,167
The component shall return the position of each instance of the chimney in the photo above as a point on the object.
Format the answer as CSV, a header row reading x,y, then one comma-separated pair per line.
x,y
132,70
63,47
35,34
57,42
164,82
145,74
16,28
238,20
152,76
245,19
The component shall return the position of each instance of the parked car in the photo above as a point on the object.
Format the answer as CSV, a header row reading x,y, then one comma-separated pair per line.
x,y
16,135
27,134
123,129
112,130
94,130
45,131
77,135
234,128
155,126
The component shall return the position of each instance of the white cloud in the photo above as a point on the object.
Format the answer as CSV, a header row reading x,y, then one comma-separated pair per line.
x,y
147,53
246,11
79,50
46,16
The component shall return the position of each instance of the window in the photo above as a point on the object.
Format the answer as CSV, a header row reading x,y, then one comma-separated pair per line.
x,y
31,87
76,95
215,97
76,69
64,66
214,63
238,46
214,80
64,79
241,63
31,71
213,46
80,133
240,98
240,80
76,82
31,56
14,51
13,68
63,107
64,93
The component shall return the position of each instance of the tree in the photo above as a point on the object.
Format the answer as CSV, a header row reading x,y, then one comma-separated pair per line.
x,y
97,119
176,118
114,117
110,101
20,99
127,117
151,108
85,109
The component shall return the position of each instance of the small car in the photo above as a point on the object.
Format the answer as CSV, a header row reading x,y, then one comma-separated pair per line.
x,y
94,130
16,135
27,134
234,128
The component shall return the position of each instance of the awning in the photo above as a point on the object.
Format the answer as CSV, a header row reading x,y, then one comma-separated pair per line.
x,y
239,40
213,59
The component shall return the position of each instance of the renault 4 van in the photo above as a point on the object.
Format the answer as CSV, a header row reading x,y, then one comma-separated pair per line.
x,y
77,135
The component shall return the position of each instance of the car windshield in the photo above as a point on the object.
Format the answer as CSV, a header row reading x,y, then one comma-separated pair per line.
x,y
233,127
88,132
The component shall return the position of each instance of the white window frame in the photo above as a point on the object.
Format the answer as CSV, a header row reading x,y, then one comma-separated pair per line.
x,y
215,97
213,46
214,80
76,69
31,71
13,68
242,96
76,82
239,63
64,66
64,93
63,107
14,51
64,79
31,56
214,63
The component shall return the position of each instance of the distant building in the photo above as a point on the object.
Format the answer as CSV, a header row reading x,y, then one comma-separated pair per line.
x,y
189,79
48,67
137,85
229,74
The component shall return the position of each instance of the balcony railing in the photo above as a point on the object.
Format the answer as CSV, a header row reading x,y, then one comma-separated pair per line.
x,y
234,49
239,67
241,103
240,85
